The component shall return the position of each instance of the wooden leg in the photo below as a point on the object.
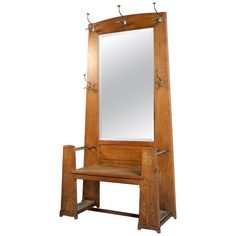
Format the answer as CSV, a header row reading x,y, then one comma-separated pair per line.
x,y
149,210
174,215
157,230
69,188
91,191
69,196
149,213
167,185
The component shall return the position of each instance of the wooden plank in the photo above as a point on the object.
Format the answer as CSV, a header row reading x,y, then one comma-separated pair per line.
x,y
136,21
120,155
110,171
163,124
106,179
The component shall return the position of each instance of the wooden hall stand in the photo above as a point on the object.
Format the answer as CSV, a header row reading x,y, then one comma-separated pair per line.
x,y
149,164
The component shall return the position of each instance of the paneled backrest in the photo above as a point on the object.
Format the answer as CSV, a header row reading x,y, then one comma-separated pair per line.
x,y
121,153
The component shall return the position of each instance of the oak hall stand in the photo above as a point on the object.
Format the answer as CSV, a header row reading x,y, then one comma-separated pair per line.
x,y
149,164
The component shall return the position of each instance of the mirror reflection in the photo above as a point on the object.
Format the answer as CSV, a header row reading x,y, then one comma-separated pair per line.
x,y
126,92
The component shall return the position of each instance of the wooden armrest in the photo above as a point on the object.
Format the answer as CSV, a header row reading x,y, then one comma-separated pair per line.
x,y
69,158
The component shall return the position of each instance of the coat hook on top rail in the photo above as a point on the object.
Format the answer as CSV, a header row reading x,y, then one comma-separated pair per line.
x,y
91,27
123,20
159,18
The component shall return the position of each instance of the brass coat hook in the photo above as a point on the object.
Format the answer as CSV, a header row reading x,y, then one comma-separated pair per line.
x,y
159,18
91,27
123,20
161,152
160,82
90,86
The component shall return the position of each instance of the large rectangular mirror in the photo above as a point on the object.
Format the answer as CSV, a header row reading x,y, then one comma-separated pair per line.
x,y
126,91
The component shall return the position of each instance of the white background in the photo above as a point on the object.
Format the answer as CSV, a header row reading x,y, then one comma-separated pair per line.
x,y
43,50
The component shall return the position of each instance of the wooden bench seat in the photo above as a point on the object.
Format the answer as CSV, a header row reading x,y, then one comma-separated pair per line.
x,y
110,171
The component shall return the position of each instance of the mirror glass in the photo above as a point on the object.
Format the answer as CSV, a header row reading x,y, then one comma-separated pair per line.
x,y
126,91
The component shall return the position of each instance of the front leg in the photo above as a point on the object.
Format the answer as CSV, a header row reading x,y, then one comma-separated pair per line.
x,y
149,211
69,188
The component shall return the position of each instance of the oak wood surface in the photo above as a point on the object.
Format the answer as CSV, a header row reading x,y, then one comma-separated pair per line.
x,y
128,162
94,178
91,188
149,209
163,124
136,21
69,189
110,171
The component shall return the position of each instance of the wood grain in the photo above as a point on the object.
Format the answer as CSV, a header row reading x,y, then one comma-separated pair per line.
x,y
163,123
149,210
110,171
69,189
91,189
114,179
136,21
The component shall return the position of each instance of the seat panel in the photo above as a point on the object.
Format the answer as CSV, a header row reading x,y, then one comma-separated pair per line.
x,y
110,171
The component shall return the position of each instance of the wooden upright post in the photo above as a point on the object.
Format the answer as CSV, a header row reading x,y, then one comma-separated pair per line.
x,y
149,210
163,139
69,188
91,188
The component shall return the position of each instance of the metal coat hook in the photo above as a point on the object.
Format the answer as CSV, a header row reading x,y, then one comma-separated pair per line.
x,y
161,152
160,82
123,20
159,18
91,28
90,86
